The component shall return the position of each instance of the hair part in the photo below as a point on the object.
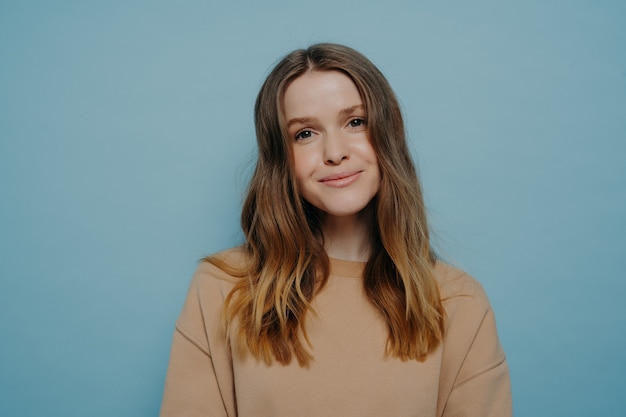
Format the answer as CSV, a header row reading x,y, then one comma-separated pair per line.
x,y
286,261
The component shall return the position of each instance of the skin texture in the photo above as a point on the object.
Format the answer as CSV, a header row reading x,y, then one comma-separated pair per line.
x,y
335,165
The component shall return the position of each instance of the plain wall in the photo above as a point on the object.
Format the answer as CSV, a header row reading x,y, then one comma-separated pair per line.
x,y
126,138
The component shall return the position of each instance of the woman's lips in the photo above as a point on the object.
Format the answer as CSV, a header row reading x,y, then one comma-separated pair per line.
x,y
341,179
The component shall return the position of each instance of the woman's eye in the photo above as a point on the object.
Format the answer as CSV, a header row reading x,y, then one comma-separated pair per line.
x,y
304,134
357,122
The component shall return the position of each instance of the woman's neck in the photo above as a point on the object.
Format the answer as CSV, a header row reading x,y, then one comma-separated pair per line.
x,y
349,237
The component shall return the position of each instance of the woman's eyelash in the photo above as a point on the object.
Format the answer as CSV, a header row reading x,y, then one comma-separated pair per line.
x,y
303,134
354,123
357,122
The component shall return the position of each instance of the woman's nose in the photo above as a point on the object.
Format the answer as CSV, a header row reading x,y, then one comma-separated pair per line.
x,y
335,149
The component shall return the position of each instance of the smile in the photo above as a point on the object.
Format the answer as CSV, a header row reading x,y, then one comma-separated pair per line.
x,y
342,179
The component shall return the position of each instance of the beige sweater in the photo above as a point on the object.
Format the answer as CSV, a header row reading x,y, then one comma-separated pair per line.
x,y
350,375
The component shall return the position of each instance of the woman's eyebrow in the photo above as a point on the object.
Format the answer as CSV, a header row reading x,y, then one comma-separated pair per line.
x,y
352,109
343,112
301,120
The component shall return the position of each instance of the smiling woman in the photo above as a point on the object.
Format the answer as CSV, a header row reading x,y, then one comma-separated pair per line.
x,y
335,166
335,303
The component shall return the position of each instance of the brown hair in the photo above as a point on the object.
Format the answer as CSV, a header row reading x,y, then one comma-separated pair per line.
x,y
287,263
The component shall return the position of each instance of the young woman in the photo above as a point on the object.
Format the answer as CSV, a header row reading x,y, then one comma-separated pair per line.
x,y
335,304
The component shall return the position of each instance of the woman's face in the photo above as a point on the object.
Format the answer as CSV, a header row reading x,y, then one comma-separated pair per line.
x,y
335,165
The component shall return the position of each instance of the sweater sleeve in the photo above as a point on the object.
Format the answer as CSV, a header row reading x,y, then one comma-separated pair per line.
x,y
198,375
475,375
482,387
191,387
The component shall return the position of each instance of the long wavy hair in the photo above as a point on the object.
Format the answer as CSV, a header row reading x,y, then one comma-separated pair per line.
x,y
286,264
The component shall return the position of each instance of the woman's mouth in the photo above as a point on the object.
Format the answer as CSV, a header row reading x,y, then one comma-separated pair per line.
x,y
341,179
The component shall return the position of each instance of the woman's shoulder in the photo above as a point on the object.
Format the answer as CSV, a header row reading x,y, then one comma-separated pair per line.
x,y
220,271
468,312
211,283
457,285
227,265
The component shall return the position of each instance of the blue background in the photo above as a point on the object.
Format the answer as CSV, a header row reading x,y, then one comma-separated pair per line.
x,y
126,138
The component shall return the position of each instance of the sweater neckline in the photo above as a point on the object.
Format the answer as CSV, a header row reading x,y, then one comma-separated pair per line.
x,y
346,269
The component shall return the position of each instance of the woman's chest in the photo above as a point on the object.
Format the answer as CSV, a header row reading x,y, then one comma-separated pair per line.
x,y
350,374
